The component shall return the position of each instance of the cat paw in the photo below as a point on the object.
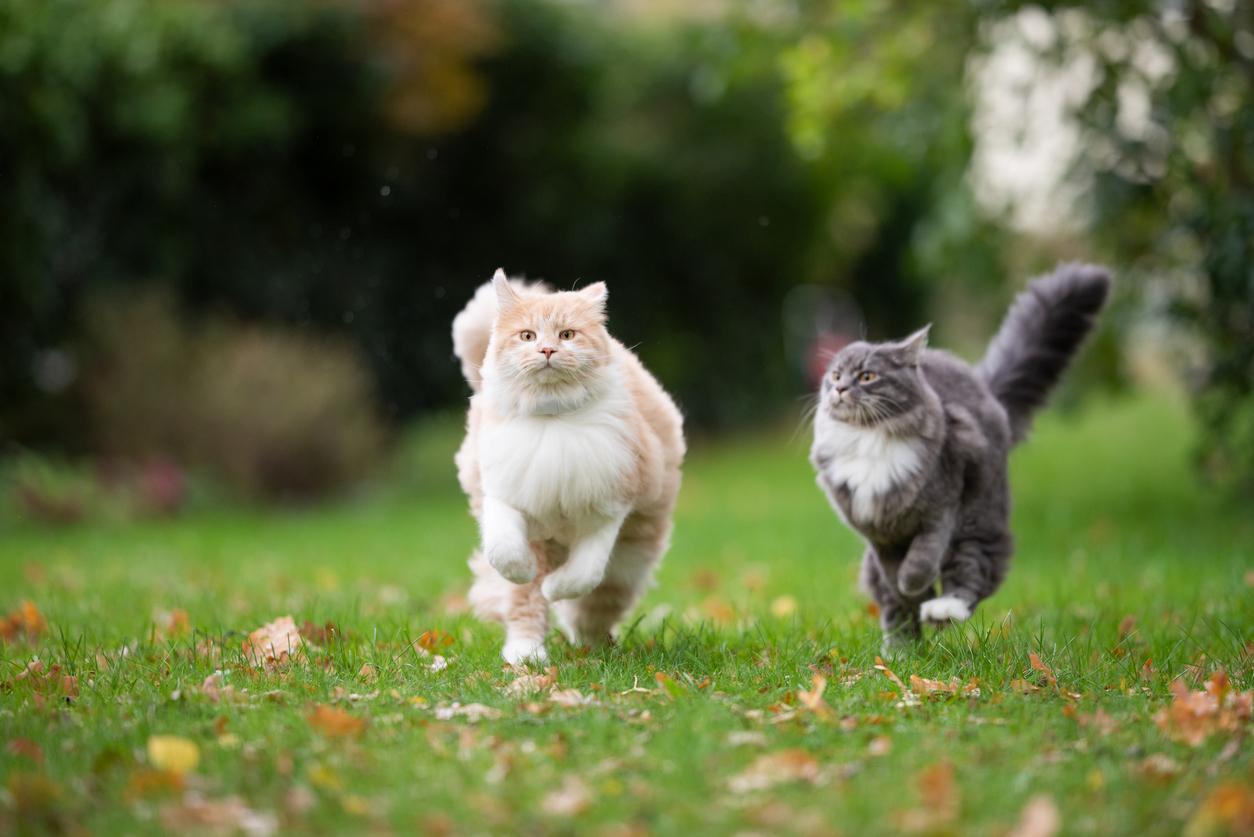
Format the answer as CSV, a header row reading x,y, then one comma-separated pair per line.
x,y
512,558
570,582
519,652
945,609
913,582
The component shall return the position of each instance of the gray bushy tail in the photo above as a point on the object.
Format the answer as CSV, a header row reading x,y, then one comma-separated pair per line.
x,y
1043,329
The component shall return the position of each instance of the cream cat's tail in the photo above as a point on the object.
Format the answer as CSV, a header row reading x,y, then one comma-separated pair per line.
x,y
1043,329
472,328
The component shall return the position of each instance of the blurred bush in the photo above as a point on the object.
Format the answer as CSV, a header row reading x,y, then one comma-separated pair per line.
x,y
1167,163
357,168
272,413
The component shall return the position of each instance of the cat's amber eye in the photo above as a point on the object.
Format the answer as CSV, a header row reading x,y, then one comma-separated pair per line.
x,y
527,336
568,334
867,377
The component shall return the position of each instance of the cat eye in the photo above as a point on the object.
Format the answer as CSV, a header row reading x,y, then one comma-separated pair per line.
x,y
568,334
527,336
867,377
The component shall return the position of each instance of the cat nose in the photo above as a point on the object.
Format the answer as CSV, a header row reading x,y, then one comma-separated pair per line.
x,y
841,389
548,352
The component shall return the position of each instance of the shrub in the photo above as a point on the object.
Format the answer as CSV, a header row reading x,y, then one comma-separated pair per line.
x,y
273,413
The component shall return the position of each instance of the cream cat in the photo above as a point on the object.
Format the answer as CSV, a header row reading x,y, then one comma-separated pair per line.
x,y
571,462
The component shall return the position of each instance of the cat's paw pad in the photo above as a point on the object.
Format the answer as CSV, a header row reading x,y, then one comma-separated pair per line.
x,y
519,652
569,582
945,609
512,558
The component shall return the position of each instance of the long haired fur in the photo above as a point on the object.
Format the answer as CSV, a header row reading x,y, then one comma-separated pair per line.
x,y
571,462
1043,329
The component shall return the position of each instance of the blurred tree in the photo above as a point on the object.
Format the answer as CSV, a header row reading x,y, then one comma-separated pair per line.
x,y
359,167
1168,156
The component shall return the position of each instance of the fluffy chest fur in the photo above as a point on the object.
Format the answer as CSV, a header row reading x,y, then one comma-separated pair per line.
x,y
557,469
865,462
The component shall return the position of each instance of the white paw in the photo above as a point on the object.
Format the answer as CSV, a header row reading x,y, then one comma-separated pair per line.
x,y
512,558
945,609
519,652
570,582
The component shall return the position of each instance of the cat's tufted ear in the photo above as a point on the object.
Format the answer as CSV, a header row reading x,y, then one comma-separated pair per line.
x,y
911,349
596,293
506,296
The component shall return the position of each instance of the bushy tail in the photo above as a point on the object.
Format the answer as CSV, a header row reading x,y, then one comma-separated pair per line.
x,y
1043,329
472,328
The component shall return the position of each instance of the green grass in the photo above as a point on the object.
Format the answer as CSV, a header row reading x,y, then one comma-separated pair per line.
x,y
757,595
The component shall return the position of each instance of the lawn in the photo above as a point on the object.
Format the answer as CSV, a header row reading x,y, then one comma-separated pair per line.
x,y
745,695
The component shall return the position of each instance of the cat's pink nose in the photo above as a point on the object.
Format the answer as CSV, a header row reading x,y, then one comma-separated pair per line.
x,y
548,352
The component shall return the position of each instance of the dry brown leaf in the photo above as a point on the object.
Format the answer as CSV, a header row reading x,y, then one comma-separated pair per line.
x,y
1127,626
812,699
173,623
368,673
896,681
773,769
526,683
1045,670
718,610
228,815
571,698
939,688
472,712
1229,809
939,794
1040,818
274,644
23,622
433,640
1195,716
216,690
26,748
334,722
571,799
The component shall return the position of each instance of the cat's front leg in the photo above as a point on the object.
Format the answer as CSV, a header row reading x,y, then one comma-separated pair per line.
x,y
505,544
589,556
922,565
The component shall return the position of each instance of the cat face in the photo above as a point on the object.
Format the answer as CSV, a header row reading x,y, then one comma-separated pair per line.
x,y
549,340
871,383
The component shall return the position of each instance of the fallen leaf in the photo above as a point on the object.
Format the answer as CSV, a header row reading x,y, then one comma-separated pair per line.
x,y
1099,720
571,799
669,686
433,640
881,745
1228,809
26,748
812,699
23,622
1127,626
934,688
227,815
526,683
334,722
773,769
1045,670
783,607
571,698
939,794
368,673
472,712
1194,717
274,644
1040,818
173,623
173,754
718,610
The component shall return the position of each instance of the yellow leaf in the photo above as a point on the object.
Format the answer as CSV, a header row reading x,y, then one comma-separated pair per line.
x,y
172,753
784,607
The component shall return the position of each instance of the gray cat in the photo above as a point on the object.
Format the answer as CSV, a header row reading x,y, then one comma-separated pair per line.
x,y
910,445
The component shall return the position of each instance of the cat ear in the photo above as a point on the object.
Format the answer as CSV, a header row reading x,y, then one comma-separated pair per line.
x,y
596,293
911,349
506,296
